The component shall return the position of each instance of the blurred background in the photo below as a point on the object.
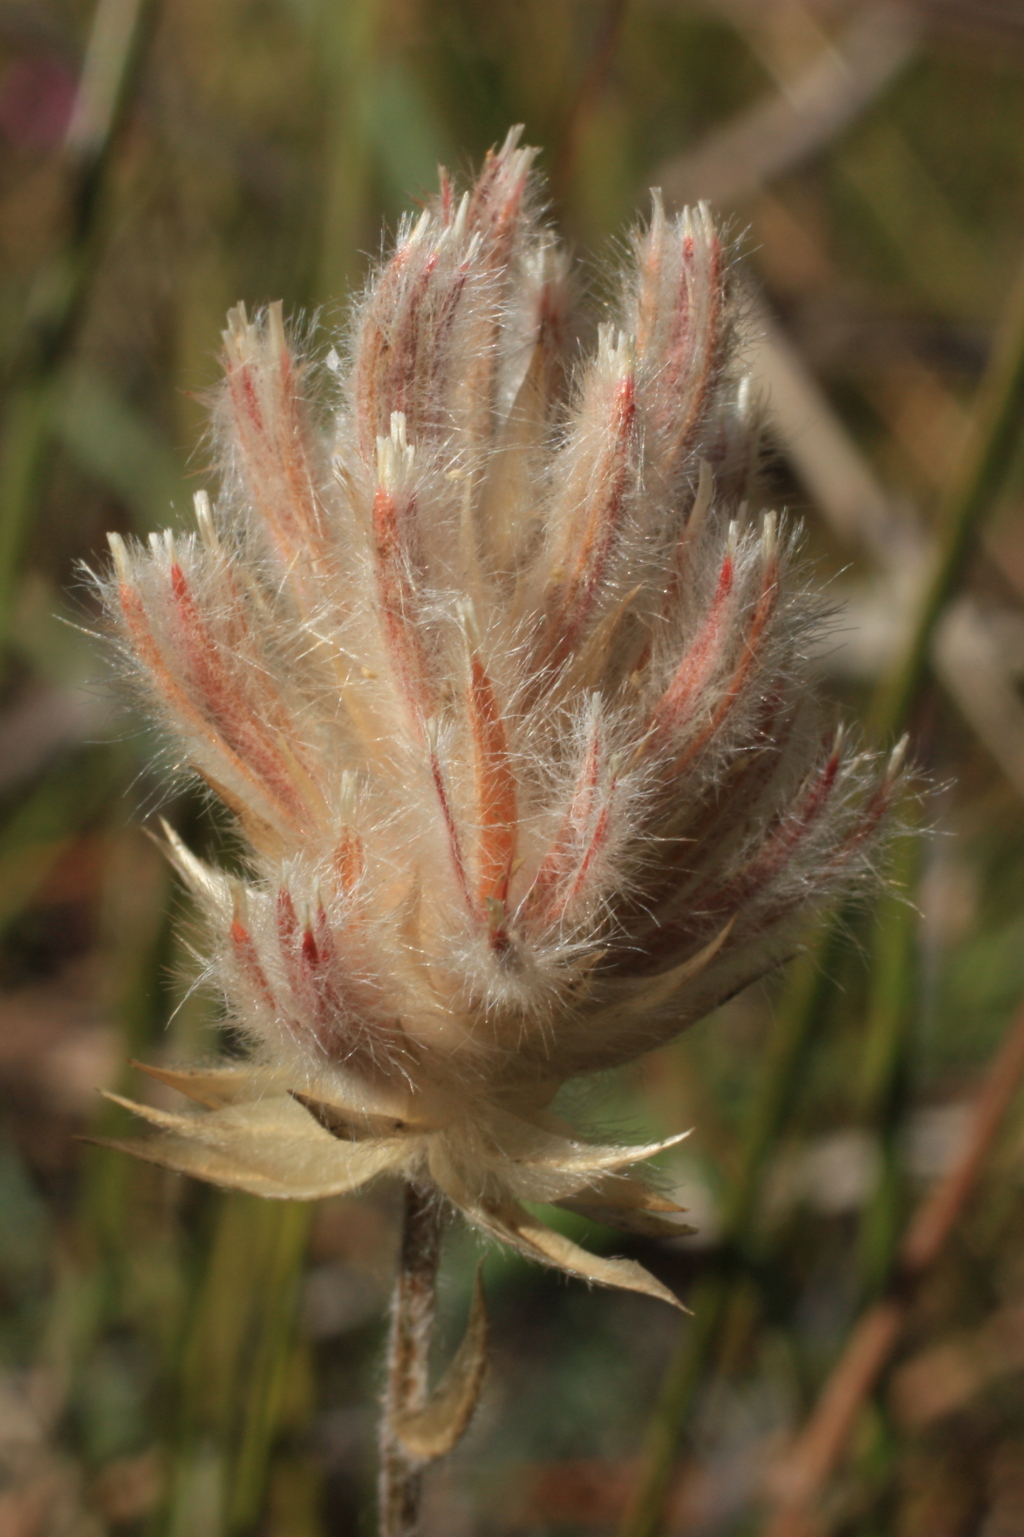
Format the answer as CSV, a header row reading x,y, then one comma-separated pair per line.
x,y
183,1363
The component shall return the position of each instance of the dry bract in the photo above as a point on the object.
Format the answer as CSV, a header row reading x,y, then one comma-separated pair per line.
x,y
508,693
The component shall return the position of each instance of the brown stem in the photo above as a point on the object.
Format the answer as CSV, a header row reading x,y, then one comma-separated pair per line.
x,y
408,1360
818,1448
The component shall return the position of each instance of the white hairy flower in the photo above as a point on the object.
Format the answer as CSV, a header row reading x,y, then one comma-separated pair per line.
x,y
508,693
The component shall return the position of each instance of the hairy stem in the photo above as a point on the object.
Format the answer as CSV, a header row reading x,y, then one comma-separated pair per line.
x,y
408,1359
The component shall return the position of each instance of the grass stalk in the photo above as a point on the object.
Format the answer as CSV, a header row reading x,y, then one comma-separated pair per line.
x,y
270,1365
234,1365
110,71
885,1062
993,438
349,40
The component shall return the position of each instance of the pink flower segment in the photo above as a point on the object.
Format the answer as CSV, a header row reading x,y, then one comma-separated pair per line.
x,y
507,689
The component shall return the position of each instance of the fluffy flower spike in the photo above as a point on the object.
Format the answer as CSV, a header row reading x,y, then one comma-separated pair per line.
x,y
508,694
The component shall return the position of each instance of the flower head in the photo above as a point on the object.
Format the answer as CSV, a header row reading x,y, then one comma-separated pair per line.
x,y
507,690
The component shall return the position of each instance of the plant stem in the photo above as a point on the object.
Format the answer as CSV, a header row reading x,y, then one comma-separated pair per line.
x,y
232,1366
408,1359
119,34
991,444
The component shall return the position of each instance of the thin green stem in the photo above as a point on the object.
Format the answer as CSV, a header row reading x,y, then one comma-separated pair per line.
x,y
234,1364
110,71
884,1086
271,1361
993,438
349,44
